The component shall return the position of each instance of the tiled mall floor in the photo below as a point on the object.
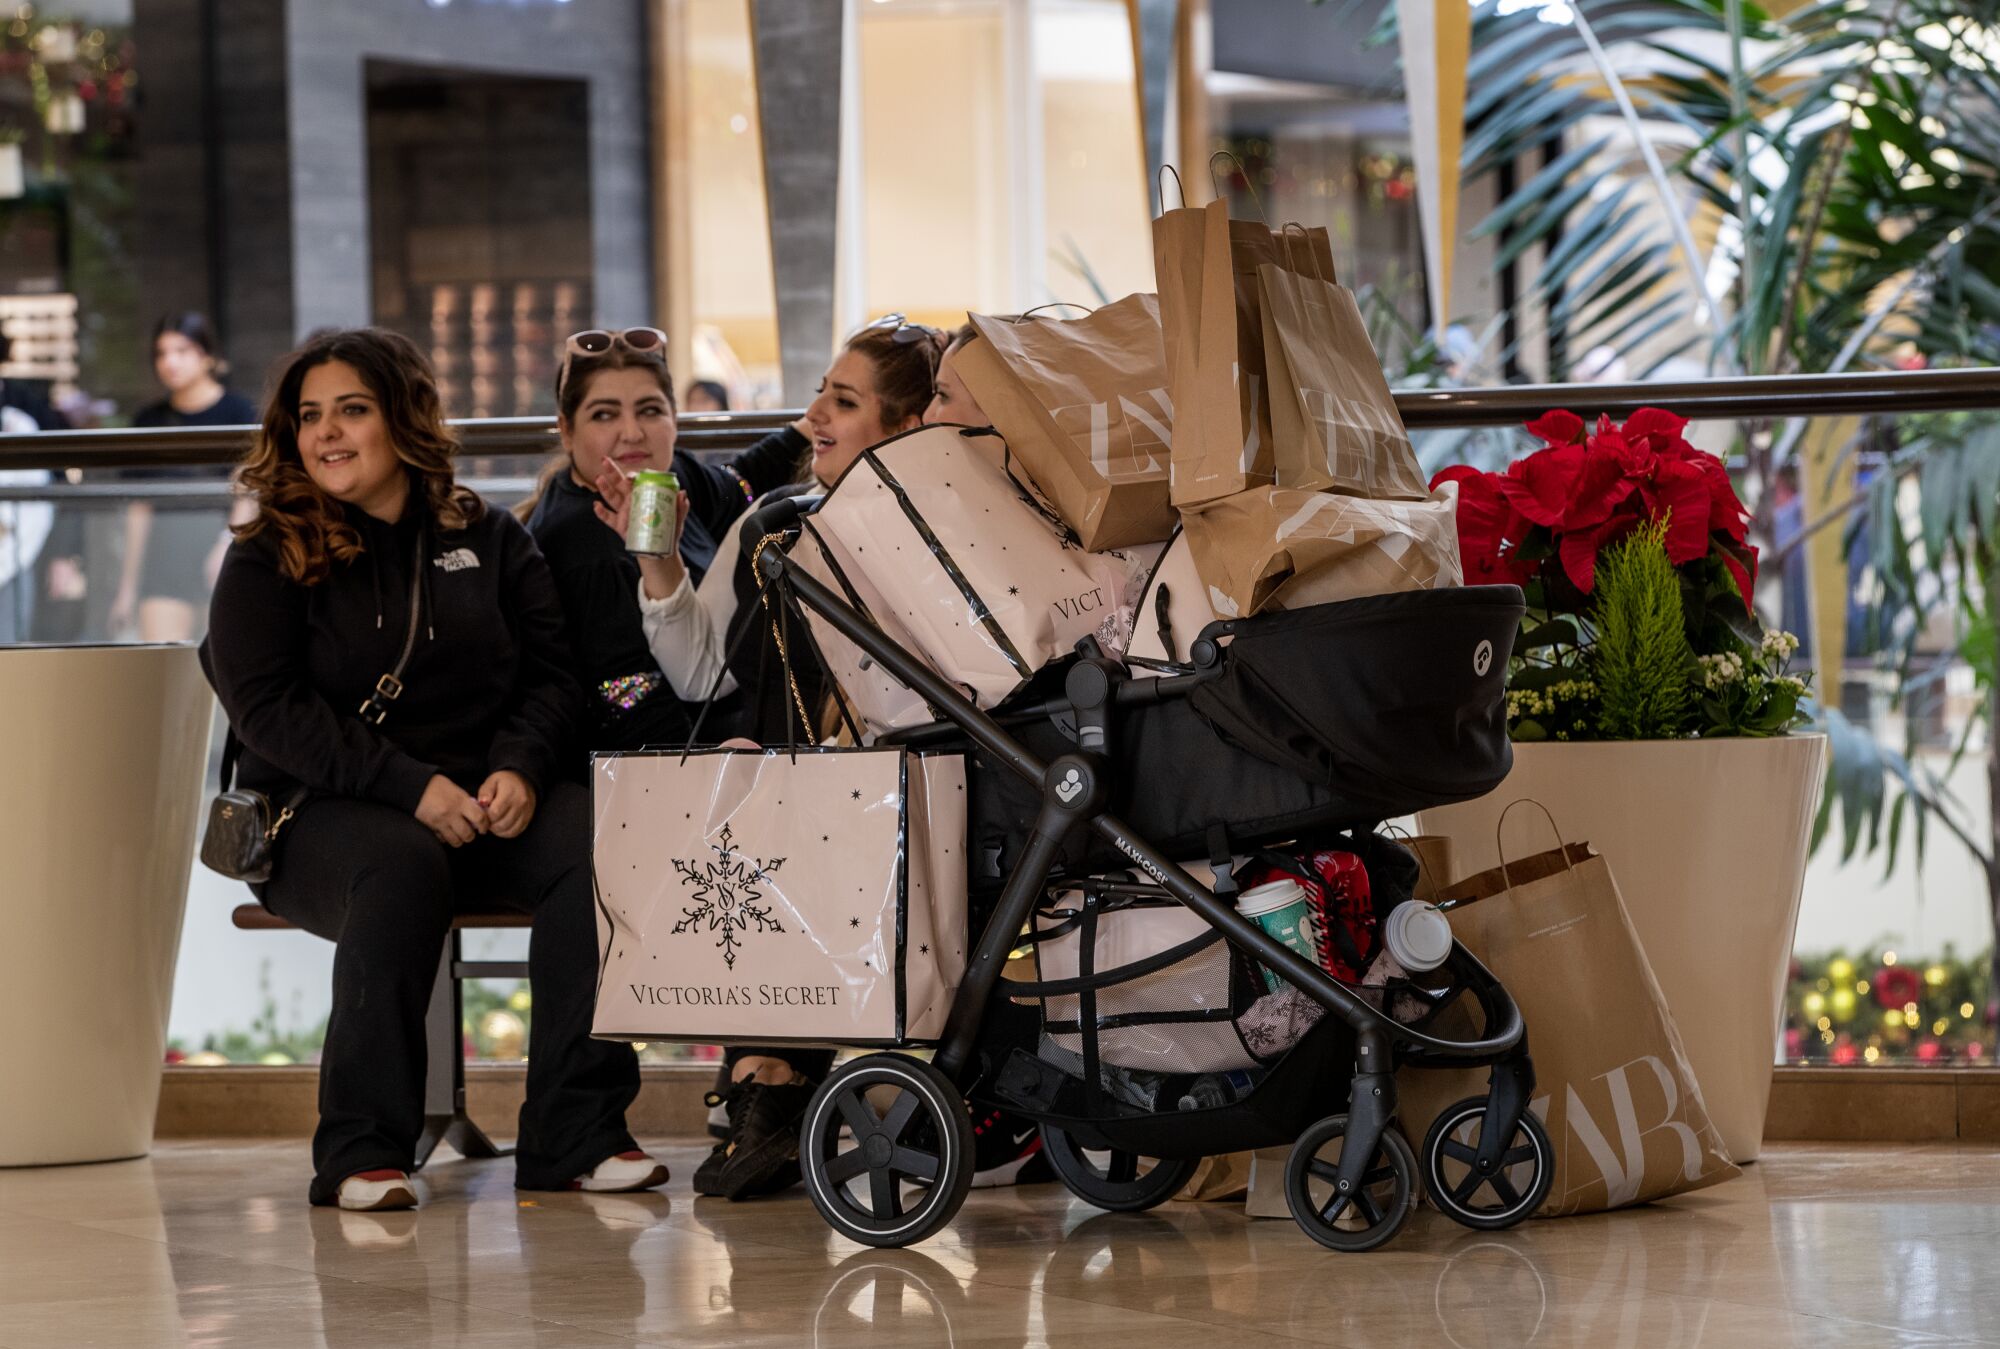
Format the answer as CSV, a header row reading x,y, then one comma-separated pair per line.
x,y
213,1245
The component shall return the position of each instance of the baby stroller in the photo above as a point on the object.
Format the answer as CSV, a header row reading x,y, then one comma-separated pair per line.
x,y
1313,724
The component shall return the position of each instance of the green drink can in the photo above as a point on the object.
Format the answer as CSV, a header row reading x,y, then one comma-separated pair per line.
x,y
649,529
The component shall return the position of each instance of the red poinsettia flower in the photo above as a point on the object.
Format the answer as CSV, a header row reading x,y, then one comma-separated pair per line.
x,y
1590,486
1489,528
1557,428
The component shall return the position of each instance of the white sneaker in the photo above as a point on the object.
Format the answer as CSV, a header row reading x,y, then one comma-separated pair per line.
x,y
622,1174
377,1191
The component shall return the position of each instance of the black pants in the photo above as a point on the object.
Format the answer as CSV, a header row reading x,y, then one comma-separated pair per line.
x,y
380,886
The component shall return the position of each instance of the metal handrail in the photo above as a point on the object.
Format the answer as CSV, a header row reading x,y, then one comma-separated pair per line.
x,y
1765,397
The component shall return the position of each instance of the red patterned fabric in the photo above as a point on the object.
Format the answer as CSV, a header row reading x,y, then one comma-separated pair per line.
x,y
1336,885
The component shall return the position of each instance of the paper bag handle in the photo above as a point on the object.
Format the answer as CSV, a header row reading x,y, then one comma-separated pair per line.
x,y
1312,256
1160,182
1501,848
1027,314
1220,195
1391,830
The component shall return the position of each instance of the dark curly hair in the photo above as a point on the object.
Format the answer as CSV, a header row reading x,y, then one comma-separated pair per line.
x,y
309,530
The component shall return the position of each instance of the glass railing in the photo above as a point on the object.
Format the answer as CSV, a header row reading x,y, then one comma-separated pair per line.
x,y
1893,959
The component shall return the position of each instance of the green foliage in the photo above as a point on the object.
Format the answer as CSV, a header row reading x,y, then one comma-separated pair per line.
x,y
1642,660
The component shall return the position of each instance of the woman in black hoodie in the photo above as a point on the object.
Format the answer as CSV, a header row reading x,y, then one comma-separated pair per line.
x,y
390,655
615,406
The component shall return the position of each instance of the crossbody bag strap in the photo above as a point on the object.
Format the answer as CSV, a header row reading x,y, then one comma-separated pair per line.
x,y
375,707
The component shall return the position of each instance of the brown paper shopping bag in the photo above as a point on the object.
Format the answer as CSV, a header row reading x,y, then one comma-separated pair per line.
x,y
1613,1086
1333,420
1206,271
768,896
1277,547
1084,408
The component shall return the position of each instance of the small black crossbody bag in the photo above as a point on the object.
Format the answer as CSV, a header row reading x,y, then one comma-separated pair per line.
x,y
243,825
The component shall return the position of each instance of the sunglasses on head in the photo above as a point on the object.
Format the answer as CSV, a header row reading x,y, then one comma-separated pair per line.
x,y
597,341
900,329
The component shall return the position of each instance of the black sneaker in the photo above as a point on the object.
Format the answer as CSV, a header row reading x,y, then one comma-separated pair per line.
x,y
1006,1150
761,1155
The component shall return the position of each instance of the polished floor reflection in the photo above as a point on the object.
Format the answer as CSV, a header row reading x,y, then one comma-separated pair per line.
x,y
215,1246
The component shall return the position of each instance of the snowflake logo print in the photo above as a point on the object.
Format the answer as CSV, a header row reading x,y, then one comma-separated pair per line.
x,y
727,892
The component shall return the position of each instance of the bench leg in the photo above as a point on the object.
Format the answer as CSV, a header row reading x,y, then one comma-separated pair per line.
x,y
445,1120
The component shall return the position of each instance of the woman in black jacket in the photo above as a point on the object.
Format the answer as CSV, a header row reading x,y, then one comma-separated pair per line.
x,y
615,406
390,655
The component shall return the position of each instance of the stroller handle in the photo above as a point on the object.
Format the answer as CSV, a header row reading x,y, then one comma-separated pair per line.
x,y
777,516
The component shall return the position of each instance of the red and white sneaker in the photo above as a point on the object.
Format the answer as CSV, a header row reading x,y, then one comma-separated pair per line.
x,y
377,1192
623,1174
1006,1150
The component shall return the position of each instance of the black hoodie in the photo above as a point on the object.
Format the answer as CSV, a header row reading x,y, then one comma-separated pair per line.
x,y
487,687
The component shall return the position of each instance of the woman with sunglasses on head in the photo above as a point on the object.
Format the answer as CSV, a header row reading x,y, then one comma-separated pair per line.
x,y
391,658
615,411
877,387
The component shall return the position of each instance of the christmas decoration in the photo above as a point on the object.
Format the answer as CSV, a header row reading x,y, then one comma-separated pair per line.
x,y
1869,1007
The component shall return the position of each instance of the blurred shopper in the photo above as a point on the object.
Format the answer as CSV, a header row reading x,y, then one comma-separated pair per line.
x,y
163,582
390,655
615,406
706,395
24,530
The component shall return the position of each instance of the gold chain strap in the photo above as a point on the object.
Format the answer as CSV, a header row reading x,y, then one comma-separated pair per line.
x,y
778,634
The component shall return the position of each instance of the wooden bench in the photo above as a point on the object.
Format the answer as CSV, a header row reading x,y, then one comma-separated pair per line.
x,y
445,1119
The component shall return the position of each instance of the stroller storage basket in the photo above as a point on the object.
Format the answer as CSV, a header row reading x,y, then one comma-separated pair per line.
x,y
1137,985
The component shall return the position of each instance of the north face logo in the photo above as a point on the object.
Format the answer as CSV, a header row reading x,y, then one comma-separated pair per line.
x,y
458,559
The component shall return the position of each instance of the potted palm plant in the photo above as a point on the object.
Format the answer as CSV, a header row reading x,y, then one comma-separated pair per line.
x,y
1654,717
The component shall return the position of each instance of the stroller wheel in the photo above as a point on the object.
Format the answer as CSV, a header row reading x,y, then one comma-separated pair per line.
x,y
1119,1181
1374,1213
1515,1190
904,1171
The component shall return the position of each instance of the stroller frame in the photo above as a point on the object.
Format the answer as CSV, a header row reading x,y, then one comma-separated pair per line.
x,y
1073,796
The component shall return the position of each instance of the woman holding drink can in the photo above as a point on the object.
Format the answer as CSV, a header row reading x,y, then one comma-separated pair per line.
x,y
615,412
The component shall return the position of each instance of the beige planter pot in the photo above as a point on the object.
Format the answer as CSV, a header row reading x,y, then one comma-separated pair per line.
x,y
104,750
1708,841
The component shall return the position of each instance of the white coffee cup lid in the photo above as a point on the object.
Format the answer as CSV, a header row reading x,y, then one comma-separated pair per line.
x,y
1419,936
1269,896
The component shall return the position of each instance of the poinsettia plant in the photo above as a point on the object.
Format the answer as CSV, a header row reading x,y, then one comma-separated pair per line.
x,y
1548,523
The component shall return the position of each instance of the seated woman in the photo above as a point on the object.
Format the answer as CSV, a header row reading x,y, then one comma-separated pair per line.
x,y
876,387
390,655
615,405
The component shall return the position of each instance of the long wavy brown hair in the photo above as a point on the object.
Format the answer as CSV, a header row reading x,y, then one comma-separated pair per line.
x,y
307,524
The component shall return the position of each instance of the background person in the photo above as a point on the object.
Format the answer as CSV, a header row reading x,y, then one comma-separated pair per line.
x,y
163,582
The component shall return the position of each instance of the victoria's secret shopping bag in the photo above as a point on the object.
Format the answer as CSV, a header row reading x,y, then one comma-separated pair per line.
x,y
1206,268
954,558
1334,422
1279,548
1083,404
1612,1083
771,897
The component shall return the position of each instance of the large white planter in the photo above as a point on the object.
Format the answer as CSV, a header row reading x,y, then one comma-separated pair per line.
x,y
103,751
1708,841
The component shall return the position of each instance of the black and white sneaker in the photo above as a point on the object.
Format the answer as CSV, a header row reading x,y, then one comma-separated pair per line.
x,y
1007,1150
